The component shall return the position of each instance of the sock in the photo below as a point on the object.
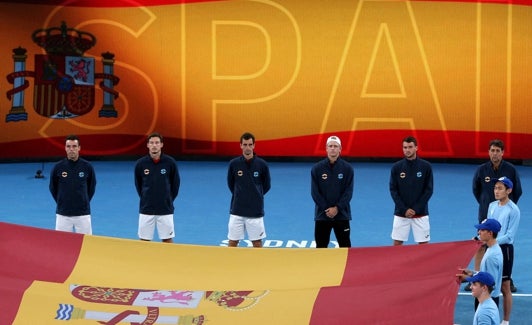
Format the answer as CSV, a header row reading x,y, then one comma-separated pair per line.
x,y
505,322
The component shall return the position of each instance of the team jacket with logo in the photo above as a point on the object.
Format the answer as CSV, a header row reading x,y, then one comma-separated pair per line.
x,y
72,184
157,184
332,185
248,181
411,185
484,181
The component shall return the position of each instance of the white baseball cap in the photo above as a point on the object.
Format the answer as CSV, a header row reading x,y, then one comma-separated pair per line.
x,y
335,139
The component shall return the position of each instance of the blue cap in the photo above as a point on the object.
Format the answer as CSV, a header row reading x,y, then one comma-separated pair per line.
x,y
482,277
489,224
506,181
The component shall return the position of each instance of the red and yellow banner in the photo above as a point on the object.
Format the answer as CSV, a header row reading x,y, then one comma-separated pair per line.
x,y
455,74
51,277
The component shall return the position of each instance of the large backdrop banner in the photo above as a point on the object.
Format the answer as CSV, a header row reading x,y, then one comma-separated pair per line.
x,y
455,74
52,277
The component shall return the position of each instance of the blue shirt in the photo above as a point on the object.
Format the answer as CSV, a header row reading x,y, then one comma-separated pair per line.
x,y
487,313
492,263
508,216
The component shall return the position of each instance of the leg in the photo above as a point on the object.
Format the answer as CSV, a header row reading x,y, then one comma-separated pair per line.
x,y
235,230
342,231
397,242
165,228
63,223
255,230
232,243
508,262
146,227
421,229
257,243
82,224
400,230
507,300
322,233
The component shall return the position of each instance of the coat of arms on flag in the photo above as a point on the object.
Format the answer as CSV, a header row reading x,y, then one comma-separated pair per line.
x,y
64,85
64,78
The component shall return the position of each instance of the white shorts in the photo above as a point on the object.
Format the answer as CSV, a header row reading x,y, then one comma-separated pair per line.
x,y
165,226
238,226
420,228
79,224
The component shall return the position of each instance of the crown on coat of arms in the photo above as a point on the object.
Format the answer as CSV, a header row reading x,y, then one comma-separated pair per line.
x,y
63,40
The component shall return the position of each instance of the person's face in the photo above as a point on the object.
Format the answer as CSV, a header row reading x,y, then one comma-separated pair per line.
x,y
247,147
72,149
484,235
496,154
500,191
333,149
477,289
154,146
409,150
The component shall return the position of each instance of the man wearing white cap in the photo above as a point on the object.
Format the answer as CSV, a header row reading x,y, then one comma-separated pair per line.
x,y
331,189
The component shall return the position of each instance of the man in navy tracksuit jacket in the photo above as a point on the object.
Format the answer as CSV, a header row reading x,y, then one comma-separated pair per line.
x,y
487,173
411,186
157,183
72,185
248,179
483,184
332,181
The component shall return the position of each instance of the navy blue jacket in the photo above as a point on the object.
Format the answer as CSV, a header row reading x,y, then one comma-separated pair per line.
x,y
72,184
411,186
484,182
332,185
157,184
248,181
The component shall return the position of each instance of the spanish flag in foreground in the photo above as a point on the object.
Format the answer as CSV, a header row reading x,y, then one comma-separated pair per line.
x,y
50,277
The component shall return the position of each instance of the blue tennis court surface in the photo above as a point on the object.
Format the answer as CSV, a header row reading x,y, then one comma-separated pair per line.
x,y
202,210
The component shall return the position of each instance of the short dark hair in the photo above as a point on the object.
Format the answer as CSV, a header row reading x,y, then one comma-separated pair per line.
x,y
155,135
247,136
410,139
497,143
72,137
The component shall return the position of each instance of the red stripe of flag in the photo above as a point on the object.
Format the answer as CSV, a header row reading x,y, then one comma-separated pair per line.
x,y
413,284
29,254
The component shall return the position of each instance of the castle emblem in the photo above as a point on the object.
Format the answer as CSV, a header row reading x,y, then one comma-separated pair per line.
x,y
65,79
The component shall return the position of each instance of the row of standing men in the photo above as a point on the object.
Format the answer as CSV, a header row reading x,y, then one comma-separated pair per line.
x,y
157,181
